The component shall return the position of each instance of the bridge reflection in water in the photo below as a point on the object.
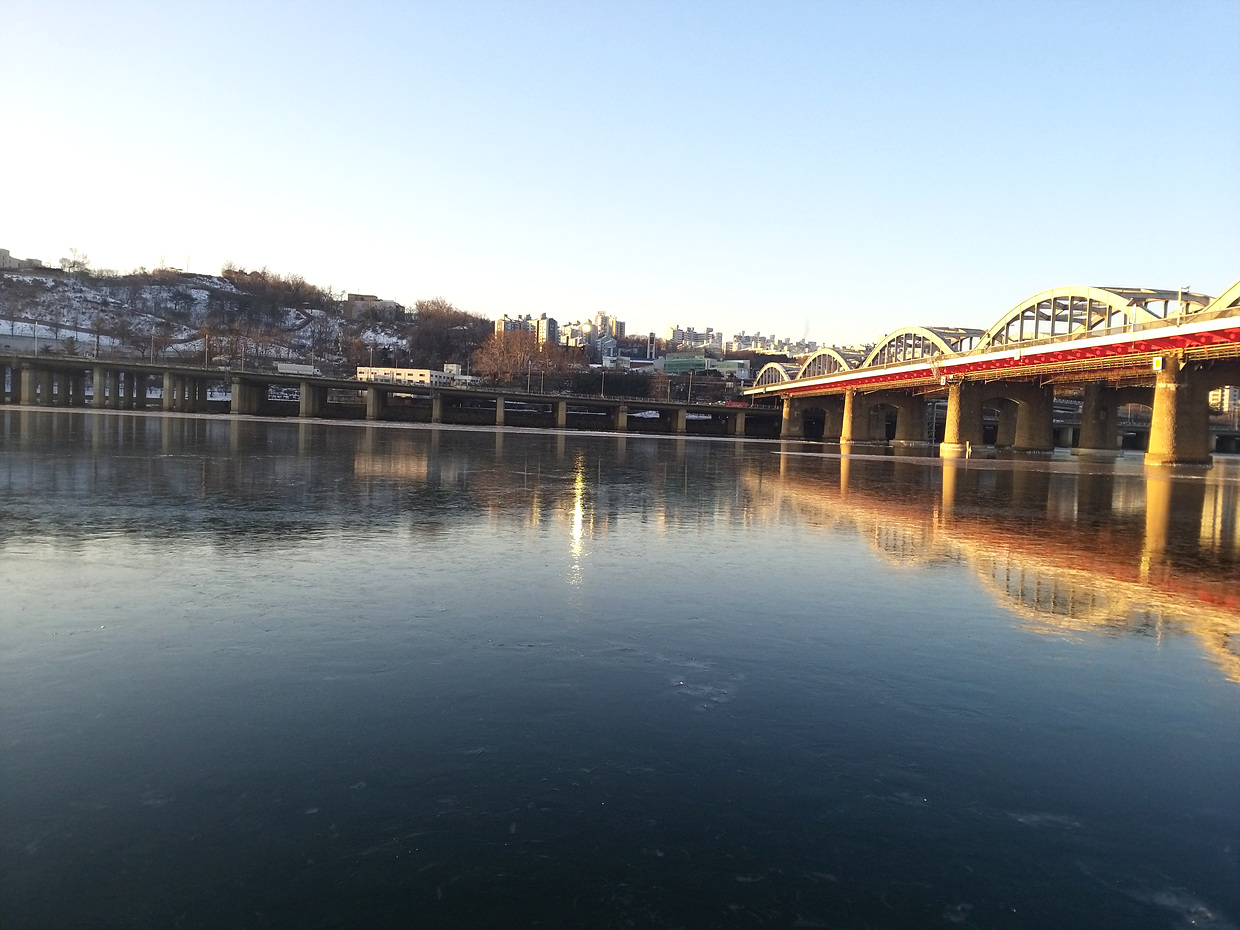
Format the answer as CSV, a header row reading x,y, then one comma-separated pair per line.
x,y
347,672
1071,547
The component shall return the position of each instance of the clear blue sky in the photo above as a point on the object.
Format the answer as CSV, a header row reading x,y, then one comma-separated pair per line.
x,y
826,169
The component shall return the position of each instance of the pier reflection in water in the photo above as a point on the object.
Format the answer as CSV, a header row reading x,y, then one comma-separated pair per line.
x,y
274,674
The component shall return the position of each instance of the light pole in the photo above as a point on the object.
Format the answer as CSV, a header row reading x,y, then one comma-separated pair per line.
x,y
689,397
529,373
602,381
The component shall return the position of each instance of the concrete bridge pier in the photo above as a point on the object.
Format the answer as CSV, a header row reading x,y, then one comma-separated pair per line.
x,y
77,387
60,393
1099,422
170,391
183,394
113,381
29,385
1008,411
736,423
247,397
680,421
1035,420
1180,425
1026,416
436,407
620,418
833,419
793,424
499,411
962,431
312,399
45,387
99,378
910,423
561,414
857,428
376,402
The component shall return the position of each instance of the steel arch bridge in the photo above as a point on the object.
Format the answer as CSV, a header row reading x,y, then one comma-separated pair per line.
x,y
1051,315
1059,339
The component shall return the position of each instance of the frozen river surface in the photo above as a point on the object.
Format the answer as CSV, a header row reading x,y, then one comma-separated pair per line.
x,y
270,674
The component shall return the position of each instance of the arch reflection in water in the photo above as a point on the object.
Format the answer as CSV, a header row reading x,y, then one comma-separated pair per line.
x,y
1069,547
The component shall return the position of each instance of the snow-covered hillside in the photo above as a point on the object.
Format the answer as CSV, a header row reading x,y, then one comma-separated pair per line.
x,y
164,314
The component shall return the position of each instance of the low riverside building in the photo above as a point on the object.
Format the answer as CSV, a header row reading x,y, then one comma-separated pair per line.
x,y
415,376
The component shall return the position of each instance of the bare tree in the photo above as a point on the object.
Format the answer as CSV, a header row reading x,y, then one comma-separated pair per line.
x,y
77,263
505,355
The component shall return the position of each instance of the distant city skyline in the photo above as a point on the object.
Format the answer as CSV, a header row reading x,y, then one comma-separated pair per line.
x,y
826,171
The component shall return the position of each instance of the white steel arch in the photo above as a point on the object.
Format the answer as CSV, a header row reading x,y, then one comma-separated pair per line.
x,y
1228,300
1062,311
775,373
921,342
828,361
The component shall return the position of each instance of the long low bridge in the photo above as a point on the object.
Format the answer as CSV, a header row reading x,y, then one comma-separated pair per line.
x,y
1101,347
126,384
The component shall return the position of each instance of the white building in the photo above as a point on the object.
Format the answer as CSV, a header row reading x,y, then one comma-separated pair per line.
x,y
423,376
1225,399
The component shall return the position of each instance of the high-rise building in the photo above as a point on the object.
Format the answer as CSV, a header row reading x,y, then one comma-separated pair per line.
x,y
1225,399
507,324
548,330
